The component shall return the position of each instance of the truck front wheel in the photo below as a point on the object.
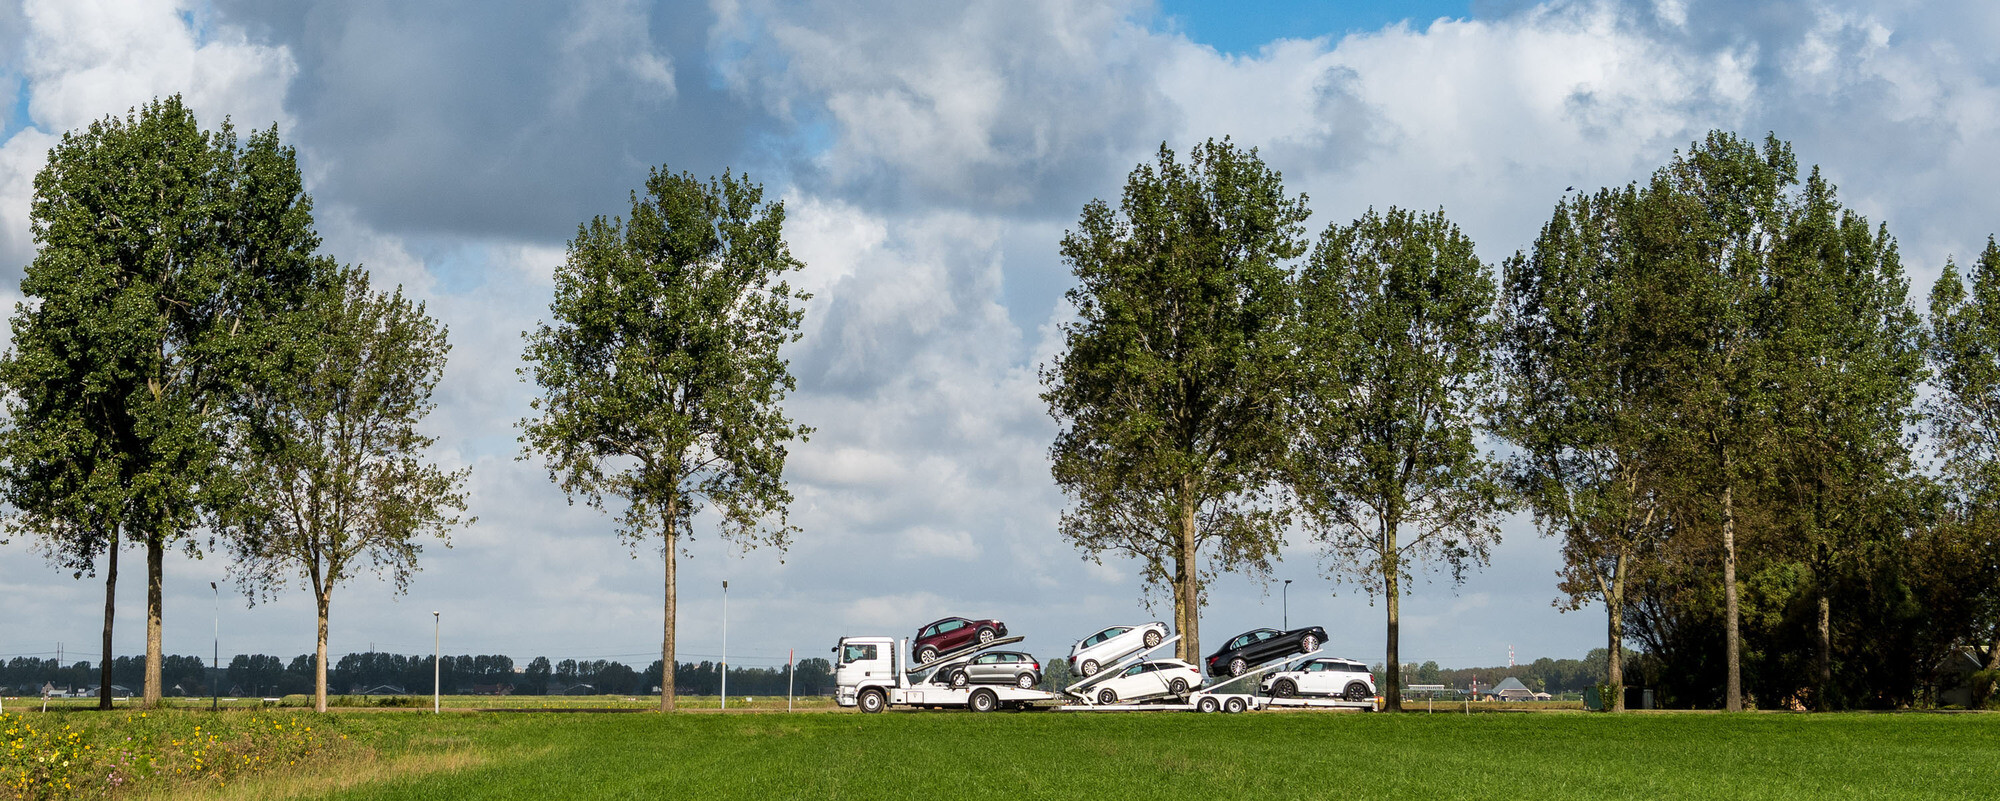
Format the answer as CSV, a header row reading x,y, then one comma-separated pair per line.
x,y
872,701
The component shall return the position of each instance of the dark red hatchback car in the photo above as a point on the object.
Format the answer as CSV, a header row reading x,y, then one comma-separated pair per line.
x,y
951,634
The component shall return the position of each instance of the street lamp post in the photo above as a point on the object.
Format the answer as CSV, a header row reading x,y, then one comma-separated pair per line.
x,y
725,643
437,653
215,659
1286,596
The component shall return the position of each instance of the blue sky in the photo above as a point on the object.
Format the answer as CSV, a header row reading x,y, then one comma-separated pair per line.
x,y
930,156
1243,27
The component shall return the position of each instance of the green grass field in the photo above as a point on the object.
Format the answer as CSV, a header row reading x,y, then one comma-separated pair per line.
x,y
403,754
1179,755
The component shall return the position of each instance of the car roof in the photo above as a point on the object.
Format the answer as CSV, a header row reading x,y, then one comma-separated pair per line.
x,y
941,620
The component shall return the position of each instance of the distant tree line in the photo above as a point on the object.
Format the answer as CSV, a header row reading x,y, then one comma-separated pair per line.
x,y
265,675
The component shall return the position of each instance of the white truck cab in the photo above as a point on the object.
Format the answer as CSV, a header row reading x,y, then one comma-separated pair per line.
x,y
873,673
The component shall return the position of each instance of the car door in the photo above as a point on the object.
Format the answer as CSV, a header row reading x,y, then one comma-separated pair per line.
x,y
1262,646
1318,677
953,634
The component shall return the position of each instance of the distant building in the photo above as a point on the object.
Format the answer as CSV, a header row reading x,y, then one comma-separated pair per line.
x,y
1513,690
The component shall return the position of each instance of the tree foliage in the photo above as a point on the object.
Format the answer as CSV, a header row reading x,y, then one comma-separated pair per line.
x,y
164,253
1963,346
660,369
328,452
1169,391
1394,361
1574,405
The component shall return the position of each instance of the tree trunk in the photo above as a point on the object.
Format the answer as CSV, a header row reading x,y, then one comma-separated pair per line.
x,y
1392,592
1824,679
1732,645
1614,603
156,556
110,589
1187,590
323,600
667,640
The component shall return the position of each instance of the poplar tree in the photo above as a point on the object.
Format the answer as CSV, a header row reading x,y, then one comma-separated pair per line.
x,y
1702,233
163,252
1963,347
1574,405
1840,339
327,452
1394,341
1169,390
660,371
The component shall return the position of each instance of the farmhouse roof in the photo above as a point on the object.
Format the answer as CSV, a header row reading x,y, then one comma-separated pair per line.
x,y
1511,683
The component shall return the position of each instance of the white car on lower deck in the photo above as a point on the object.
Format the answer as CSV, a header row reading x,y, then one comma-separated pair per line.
x,y
1330,676
1112,644
1152,678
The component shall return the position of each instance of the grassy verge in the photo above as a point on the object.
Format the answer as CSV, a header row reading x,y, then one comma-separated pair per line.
x,y
538,755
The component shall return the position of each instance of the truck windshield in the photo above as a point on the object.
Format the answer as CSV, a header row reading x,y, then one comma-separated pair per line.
x,y
857,653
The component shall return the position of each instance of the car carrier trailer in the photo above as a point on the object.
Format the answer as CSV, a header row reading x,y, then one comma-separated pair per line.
x,y
1210,697
874,673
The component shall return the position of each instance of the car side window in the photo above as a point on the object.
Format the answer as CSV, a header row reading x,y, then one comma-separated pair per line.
x,y
1114,632
1265,635
1240,641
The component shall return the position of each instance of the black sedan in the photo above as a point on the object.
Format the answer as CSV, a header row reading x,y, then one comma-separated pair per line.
x,y
1255,647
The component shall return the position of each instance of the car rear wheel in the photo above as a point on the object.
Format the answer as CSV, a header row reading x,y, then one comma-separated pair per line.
x,y
986,636
1285,688
872,701
1107,696
1089,667
1207,704
1237,666
1233,706
1357,692
1179,687
1152,639
984,701
1308,643
926,655
1025,681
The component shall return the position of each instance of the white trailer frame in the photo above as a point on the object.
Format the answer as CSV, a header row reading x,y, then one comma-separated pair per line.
x,y
877,694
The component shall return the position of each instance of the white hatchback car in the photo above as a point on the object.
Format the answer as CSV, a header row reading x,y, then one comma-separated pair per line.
x,y
1094,652
1149,679
1344,678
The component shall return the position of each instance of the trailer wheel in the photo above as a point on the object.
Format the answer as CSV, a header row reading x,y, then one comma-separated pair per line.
x,y
983,701
1357,692
1237,666
1207,704
1089,667
1233,705
986,635
1025,681
1107,696
1179,687
1152,639
1286,688
872,701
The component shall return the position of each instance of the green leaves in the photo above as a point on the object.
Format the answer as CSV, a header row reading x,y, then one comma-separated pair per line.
x,y
1170,387
1394,340
661,370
